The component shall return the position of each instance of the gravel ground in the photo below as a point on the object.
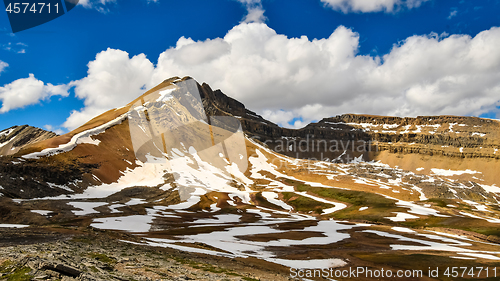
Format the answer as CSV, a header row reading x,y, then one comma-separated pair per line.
x,y
97,256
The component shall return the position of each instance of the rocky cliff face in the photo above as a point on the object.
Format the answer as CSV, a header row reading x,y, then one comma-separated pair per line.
x,y
463,137
345,137
15,138
29,178
312,142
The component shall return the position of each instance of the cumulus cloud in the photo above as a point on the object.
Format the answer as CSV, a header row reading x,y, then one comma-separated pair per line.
x,y
28,91
370,6
284,77
113,80
293,81
255,11
3,66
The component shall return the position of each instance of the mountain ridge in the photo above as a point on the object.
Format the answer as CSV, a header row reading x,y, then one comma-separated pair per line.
x,y
450,142
168,172
217,103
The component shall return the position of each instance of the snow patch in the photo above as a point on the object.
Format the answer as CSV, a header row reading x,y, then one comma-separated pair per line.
x,y
402,217
272,197
6,132
165,95
403,229
134,223
449,173
491,188
7,225
86,207
41,212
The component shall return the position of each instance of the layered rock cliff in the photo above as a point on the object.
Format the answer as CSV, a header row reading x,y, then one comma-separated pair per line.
x,y
354,135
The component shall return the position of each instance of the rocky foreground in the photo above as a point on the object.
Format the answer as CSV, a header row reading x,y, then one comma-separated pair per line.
x,y
70,255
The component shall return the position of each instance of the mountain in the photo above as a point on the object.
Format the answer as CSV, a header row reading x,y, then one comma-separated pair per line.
x,y
101,150
188,168
452,142
15,138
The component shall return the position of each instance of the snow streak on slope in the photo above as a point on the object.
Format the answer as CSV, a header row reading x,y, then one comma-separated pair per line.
x,y
272,197
83,137
447,173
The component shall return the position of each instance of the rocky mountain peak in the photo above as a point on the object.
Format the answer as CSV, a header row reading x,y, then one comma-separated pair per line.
x,y
15,138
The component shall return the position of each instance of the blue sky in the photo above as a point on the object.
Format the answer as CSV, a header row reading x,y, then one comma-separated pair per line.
x,y
390,57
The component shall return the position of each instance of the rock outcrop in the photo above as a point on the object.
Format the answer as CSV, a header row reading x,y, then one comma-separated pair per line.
x,y
15,138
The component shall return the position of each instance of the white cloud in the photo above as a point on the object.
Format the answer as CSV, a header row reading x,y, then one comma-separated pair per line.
x,y
99,5
58,131
297,80
113,80
103,6
255,14
19,47
91,3
255,11
28,91
453,13
296,77
3,66
278,116
370,6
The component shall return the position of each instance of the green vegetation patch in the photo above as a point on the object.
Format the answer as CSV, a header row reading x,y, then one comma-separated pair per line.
x,y
209,268
356,198
6,266
305,204
86,240
443,203
102,258
467,224
379,206
20,274
94,269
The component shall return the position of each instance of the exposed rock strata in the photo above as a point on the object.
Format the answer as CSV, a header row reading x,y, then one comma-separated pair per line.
x,y
15,138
